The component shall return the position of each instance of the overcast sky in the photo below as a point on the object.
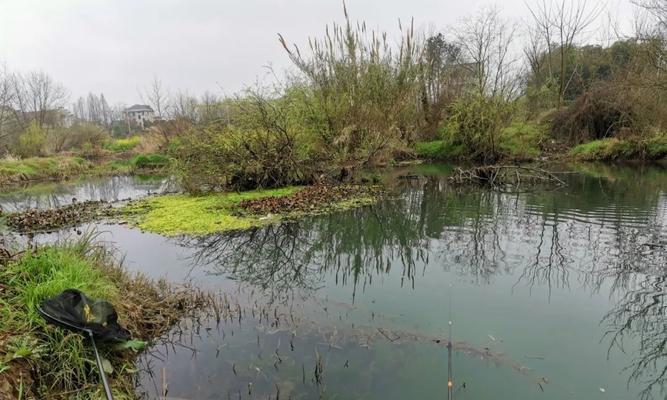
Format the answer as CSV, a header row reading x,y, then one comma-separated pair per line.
x,y
116,47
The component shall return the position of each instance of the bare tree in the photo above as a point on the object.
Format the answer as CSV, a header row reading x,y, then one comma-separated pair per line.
x,y
184,106
36,97
6,101
485,41
157,97
558,26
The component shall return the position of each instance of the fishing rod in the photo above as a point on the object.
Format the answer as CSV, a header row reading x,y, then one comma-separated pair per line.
x,y
450,382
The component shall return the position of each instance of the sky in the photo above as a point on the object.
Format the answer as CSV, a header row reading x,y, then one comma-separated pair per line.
x,y
117,47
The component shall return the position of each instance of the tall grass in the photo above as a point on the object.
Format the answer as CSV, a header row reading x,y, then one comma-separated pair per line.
x,y
361,97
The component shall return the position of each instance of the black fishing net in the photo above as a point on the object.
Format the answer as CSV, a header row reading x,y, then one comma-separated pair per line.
x,y
73,310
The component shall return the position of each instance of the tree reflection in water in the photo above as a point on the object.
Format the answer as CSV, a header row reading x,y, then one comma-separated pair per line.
x,y
599,233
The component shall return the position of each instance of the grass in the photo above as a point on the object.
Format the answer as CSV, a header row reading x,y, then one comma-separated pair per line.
x,y
41,168
124,144
14,171
439,150
521,141
172,215
151,161
610,149
43,361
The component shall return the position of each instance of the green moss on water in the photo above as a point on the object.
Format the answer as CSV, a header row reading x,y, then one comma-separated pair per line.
x,y
182,214
177,214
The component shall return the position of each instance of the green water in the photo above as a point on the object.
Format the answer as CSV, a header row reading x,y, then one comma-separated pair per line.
x,y
538,286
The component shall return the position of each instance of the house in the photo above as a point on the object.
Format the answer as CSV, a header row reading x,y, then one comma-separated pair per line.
x,y
139,114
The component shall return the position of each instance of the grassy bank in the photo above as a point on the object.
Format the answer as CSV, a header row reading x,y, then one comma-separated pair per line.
x,y
41,361
16,171
172,215
525,143
610,149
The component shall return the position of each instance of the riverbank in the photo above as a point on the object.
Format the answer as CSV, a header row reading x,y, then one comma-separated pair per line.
x,y
184,214
38,360
37,169
526,144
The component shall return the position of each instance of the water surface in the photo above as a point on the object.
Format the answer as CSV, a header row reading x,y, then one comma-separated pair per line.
x,y
555,294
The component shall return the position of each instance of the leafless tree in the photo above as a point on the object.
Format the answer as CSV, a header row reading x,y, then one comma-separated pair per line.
x,y
157,97
184,106
557,28
657,8
485,41
6,101
36,97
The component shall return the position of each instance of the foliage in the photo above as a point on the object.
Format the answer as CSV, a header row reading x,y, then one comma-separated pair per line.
x,y
31,142
265,145
40,168
652,148
361,96
123,144
150,161
82,136
475,122
440,150
50,362
521,140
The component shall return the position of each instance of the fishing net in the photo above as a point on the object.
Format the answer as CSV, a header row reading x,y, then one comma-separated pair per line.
x,y
73,310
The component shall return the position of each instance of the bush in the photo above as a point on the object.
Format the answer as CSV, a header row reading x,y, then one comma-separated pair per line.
x,y
32,141
150,161
475,123
264,145
83,136
652,148
124,144
439,150
521,140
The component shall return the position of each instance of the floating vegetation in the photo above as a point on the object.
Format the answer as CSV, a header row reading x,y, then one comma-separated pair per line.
x,y
183,214
35,220
313,199
507,178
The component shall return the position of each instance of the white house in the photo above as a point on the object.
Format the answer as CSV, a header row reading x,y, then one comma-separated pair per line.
x,y
139,114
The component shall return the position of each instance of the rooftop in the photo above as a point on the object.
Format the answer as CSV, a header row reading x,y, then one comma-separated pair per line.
x,y
139,107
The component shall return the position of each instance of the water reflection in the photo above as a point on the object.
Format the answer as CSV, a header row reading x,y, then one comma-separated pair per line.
x,y
58,194
597,235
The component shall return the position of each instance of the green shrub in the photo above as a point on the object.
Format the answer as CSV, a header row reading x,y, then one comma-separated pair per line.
x,y
124,144
605,149
521,140
475,123
31,142
439,150
150,161
656,146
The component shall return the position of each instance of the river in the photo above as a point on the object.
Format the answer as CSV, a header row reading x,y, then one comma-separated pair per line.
x,y
550,294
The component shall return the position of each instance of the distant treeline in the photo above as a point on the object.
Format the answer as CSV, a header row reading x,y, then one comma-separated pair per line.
x,y
486,89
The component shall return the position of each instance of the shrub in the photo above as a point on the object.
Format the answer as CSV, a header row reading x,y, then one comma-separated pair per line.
x,y
150,161
521,140
82,136
475,123
264,145
31,142
439,150
124,144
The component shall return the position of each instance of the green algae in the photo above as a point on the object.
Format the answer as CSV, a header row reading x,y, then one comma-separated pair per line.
x,y
182,214
177,214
